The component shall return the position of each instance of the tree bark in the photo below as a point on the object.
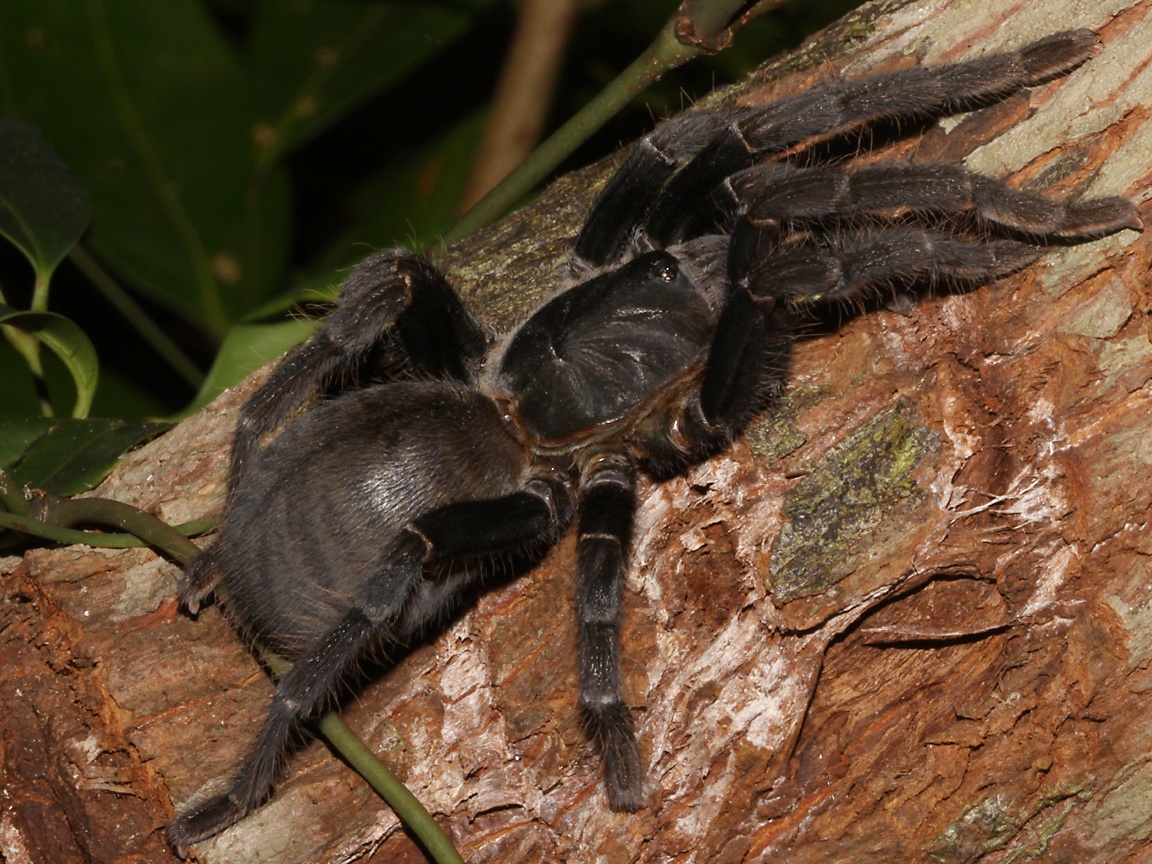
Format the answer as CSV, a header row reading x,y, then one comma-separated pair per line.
x,y
905,618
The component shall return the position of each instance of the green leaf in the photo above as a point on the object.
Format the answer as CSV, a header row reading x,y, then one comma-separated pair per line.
x,y
43,206
17,435
68,342
67,456
246,348
313,62
148,104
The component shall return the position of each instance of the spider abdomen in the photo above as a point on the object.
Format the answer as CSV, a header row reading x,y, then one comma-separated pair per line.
x,y
600,351
363,467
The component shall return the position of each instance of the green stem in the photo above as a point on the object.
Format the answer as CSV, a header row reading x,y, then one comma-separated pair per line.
x,y
66,512
28,346
96,539
40,291
381,778
697,27
12,496
664,54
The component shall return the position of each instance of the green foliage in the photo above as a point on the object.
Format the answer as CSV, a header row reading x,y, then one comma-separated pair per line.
x,y
66,458
245,349
184,137
43,206
62,336
43,212
179,124
238,155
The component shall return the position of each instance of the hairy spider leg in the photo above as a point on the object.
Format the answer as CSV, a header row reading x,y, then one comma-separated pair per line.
x,y
920,92
302,692
609,230
538,513
782,194
772,258
608,501
649,197
748,360
774,269
383,609
395,296
856,261
747,369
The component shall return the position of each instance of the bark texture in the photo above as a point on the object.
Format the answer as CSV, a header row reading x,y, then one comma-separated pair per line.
x,y
909,618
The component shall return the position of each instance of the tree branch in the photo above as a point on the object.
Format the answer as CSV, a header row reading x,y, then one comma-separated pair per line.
x,y
1002,558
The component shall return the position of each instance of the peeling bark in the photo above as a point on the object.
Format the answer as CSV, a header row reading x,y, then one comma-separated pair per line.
x,y
905,619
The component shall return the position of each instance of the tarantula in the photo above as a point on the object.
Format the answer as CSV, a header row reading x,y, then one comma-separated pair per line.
x,y
380,509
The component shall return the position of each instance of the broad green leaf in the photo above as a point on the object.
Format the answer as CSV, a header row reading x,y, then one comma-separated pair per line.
x,y
68,342
70,456
313,62
118,395
246,348
43,206
17,435
148,104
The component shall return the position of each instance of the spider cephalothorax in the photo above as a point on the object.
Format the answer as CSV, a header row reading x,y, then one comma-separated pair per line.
x,y
377,511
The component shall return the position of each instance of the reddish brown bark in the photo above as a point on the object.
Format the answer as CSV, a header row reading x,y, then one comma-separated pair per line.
x,y
905,620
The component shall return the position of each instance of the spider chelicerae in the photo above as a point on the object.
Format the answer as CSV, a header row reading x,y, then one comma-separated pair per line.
x,y
373,514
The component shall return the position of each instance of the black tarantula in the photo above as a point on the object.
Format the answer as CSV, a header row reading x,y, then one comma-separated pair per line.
x,y
377,511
